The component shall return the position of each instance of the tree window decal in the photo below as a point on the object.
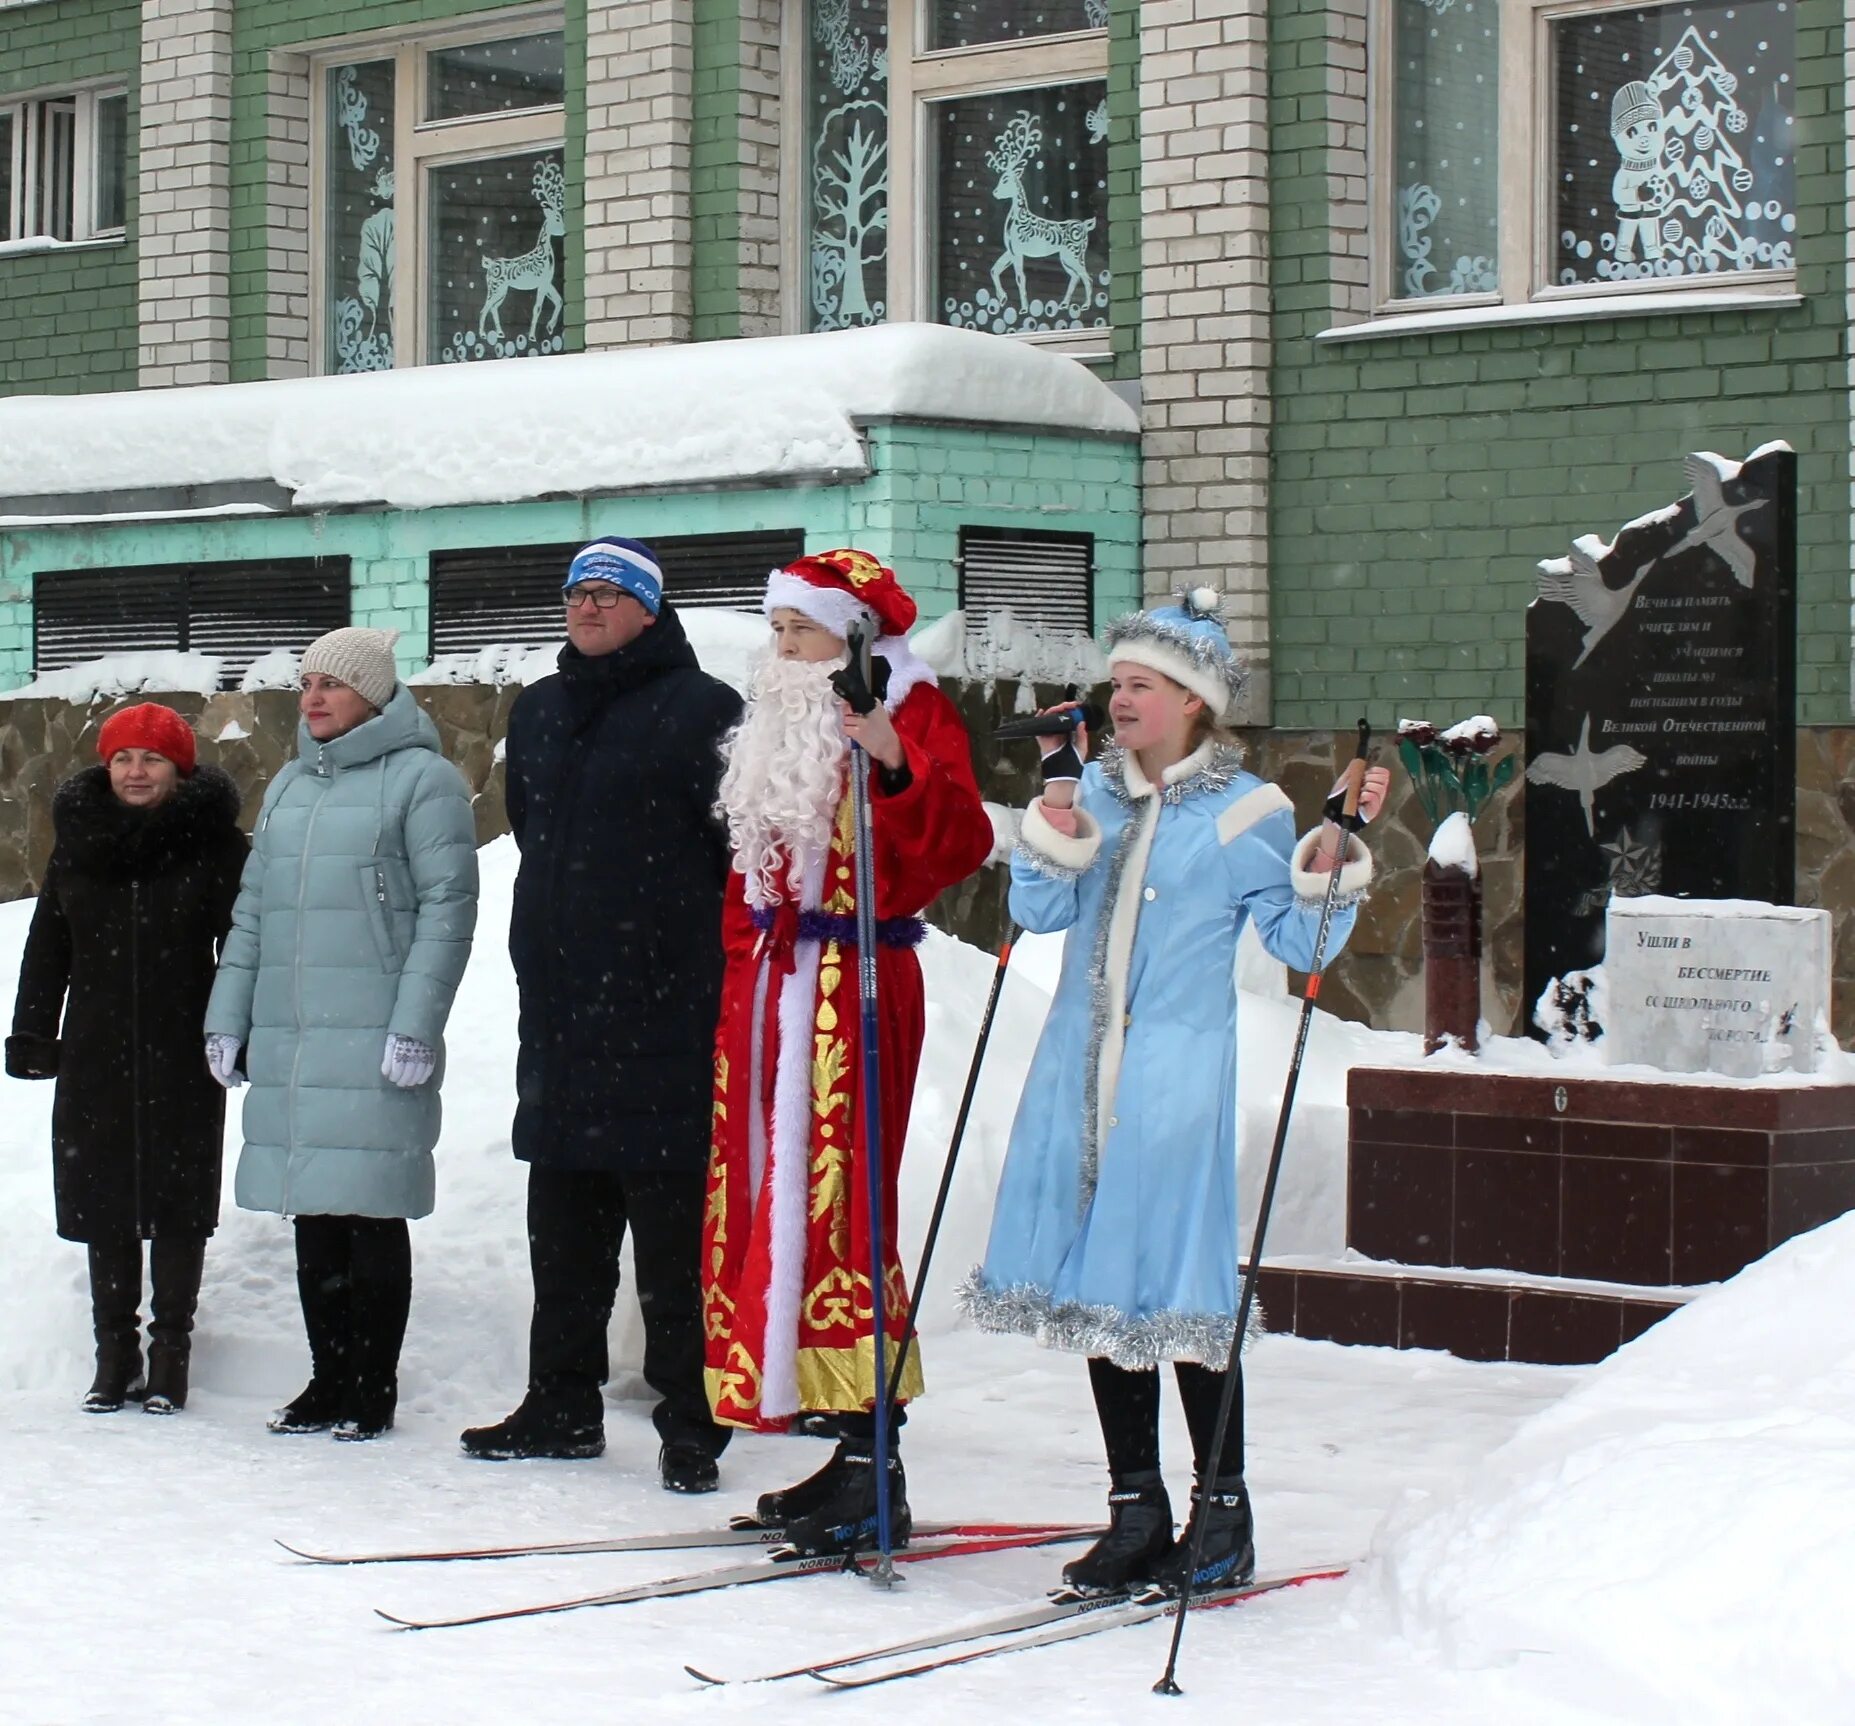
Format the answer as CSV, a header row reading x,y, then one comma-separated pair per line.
x,y
360,249
847,112
1673,141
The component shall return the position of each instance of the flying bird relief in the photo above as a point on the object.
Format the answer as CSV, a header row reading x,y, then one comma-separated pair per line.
x,y
1716,522
1585,771
1577,581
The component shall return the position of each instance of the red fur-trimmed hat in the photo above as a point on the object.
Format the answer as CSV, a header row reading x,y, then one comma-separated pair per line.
x,y
836,588
148,725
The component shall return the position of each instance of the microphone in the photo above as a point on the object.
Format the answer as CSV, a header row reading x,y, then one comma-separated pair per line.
x,y
1058,724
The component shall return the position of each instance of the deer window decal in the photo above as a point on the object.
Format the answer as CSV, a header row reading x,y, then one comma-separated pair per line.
x,y
533,271
1028,235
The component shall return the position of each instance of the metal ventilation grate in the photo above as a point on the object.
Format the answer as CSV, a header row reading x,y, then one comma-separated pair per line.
x,y
234,611
1047,579
510,595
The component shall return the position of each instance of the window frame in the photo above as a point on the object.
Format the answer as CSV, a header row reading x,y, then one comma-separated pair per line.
x,y
419,145
919,78
22,220
1524,188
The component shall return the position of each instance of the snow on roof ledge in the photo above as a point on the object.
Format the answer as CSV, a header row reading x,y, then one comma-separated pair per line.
x,y
777,407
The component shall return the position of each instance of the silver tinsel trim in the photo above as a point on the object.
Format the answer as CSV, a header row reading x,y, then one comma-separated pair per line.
x,y
1104,1331
1218,772
1099,1011
1042,865
1201,650
1341,901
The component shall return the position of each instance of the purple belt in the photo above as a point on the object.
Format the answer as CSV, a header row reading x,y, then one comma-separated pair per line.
x,y
841,928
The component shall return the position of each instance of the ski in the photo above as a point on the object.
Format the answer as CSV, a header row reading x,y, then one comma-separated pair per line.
x,y
742,1532
1124,1612
774,1567
1016,1619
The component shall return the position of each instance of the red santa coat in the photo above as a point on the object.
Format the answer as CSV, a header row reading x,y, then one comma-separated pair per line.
x,y
785,1236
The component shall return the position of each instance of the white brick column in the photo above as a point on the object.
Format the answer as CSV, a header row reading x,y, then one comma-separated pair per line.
x,y
286,217
640,67
760,116
184,235
1348,198
1204,290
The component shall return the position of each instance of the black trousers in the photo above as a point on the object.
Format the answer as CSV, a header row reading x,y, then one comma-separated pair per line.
x,y
1127,1403
354,1277
576,1224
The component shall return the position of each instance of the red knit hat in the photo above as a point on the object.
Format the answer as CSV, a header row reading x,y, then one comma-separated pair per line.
x,y
148,726
835,588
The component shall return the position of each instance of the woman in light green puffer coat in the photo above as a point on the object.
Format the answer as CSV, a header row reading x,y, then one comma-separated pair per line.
x,y
351,932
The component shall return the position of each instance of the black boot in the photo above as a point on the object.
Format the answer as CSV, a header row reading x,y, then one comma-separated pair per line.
x,y
1229,1556
115,1317
1139,1537
379,1298
536,1429
777,1509
845,1520
328,1323
175,1265
687,1467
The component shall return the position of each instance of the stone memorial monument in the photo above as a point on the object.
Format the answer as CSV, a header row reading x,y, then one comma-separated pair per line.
x,y
1715,986
1661,742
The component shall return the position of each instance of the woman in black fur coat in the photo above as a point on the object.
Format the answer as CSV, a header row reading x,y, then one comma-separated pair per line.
x,y
136,900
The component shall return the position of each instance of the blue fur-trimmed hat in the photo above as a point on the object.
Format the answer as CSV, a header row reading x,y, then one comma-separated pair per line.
x,y
626,563
1186,642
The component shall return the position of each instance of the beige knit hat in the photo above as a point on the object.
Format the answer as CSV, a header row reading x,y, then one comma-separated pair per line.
x,y
360,658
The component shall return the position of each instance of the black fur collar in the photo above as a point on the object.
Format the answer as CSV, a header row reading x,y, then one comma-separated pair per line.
x,y
97,834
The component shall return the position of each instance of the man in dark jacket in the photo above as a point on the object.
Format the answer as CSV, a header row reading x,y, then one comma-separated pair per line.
x,y
612,769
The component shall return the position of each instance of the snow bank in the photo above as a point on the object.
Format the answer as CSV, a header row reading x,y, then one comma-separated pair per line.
x,y
1673,1536
776,407
118,674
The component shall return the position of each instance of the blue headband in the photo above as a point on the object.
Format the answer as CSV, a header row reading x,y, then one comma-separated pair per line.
x,y
626,563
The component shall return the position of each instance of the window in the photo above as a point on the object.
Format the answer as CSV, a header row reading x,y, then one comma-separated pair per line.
x,y
442,202
63,166
1645,148
958,175
509,596
234,611
1044,579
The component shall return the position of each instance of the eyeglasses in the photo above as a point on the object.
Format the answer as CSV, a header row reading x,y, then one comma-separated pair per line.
x,y
602,596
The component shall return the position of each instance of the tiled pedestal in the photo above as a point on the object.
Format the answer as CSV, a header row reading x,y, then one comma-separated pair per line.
x,y
1567,1183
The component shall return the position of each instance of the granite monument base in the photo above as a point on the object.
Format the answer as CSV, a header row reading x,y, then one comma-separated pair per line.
x,y
1511,1216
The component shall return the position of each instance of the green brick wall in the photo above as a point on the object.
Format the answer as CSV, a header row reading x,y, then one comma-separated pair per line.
x,y
715,170
67,318
1124,188
1418,480
263,26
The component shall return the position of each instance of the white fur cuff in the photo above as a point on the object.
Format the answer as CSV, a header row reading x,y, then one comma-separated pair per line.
x,y
1053,852
1355,871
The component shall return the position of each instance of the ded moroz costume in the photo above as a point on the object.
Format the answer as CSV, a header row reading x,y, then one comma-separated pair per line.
x,y
1115,1228
786,1239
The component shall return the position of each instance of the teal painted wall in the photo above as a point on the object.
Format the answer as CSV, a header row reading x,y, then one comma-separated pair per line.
x,y
928,483
68,318
1418,480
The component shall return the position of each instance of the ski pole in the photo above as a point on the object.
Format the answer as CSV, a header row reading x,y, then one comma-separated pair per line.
x,y
894,1392
884,1573
1349,821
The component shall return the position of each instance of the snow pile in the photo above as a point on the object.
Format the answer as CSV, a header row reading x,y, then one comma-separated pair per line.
x,y
1452,846
495,665
155,671
1671,1540
276,669
773,408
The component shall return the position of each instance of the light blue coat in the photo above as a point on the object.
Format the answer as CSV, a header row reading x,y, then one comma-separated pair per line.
x,y
354,919
1115,1227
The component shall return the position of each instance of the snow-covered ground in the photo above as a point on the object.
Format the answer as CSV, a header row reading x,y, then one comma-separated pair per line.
x,y
1659,1539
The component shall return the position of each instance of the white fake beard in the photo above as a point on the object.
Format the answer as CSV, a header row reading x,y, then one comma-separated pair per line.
x,y
784,775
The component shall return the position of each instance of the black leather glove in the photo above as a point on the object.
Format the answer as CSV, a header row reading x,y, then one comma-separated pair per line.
x,y
859,696
30,1057
1063,762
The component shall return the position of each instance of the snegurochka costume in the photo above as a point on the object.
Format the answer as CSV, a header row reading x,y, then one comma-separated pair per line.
x,y
786,1242
1115,1232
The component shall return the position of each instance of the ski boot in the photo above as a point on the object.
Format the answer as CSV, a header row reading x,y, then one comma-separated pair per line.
x,y
845,1520
777,1509
1229,1556
1139,1537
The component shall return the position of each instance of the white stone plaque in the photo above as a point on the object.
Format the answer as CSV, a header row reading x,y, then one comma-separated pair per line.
x,y
1731,986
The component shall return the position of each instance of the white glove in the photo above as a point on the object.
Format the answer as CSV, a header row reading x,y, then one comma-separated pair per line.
x,y
407,1061
222,1059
